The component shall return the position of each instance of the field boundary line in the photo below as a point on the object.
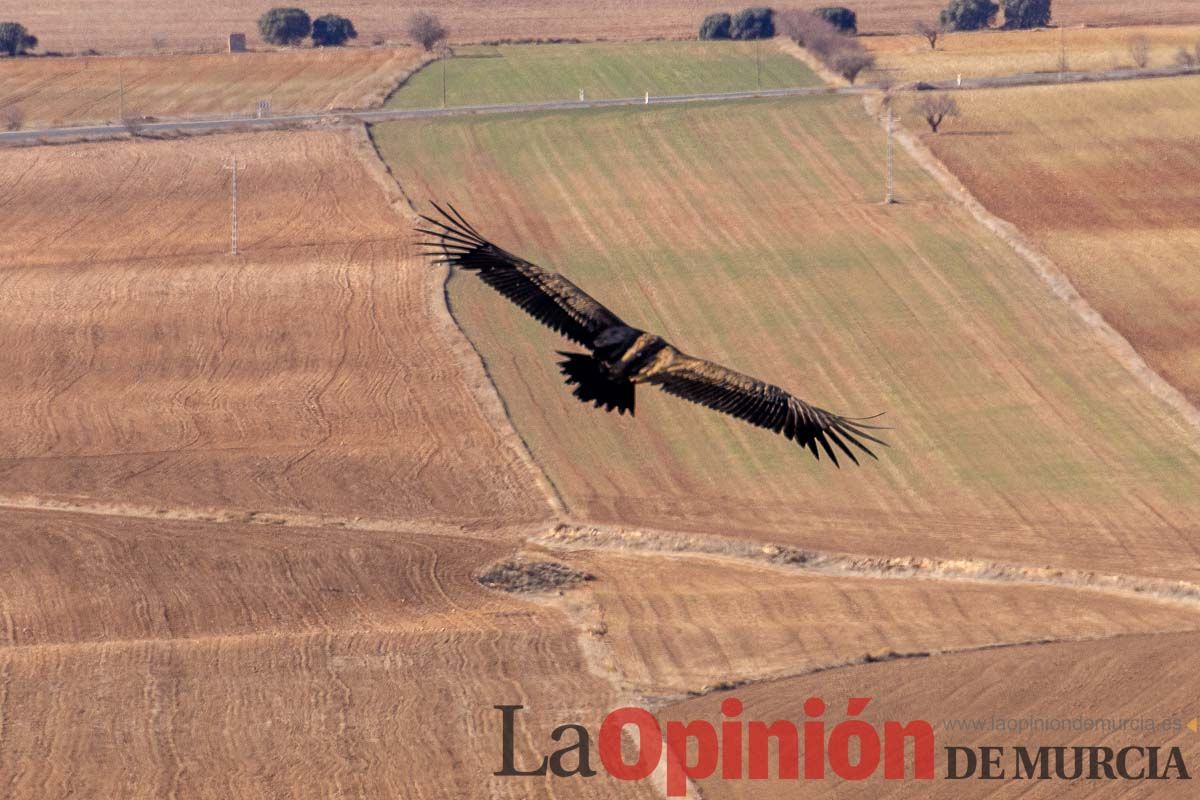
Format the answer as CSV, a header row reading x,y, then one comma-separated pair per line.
x,y
472,528
908,655
480,382
856,565
1052,276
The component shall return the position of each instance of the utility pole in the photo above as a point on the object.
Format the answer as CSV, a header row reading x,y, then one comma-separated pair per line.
x,y
233,219
891,194
443,81
758,60
121,90
1062,51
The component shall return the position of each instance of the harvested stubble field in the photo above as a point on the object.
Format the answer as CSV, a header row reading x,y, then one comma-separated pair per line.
x,y
143,659
316,372
1124,681
1104,178
680,623
127,25
528,73
909,58
752,234
64,91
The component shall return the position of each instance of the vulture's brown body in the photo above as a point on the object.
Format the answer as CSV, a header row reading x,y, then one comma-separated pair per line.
x,y
623,356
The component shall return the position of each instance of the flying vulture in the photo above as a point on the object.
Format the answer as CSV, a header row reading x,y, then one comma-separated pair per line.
x,y
623,356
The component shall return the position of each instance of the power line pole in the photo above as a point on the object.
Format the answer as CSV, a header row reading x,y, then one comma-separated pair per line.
x,y
758,59
443,81
121,89
233,218
891,185
1062,51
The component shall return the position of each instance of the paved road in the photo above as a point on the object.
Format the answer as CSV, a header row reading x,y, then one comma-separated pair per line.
x,y
238,122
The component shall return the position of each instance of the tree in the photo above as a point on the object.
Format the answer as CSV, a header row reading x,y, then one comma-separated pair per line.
x,y
928,30
1139,51
331,30
425,29
716,26
849,62
935,108
753,23
968,15
803,28
15,40
1184,58
1026,13
284,26
840,17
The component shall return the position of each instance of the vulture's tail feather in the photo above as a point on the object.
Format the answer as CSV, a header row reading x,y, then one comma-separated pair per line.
x,y
594,384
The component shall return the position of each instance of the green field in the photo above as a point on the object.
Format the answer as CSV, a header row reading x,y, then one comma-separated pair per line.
x,y
533,73
751,233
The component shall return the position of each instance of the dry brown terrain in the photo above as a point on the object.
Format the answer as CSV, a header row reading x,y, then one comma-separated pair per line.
x,y
909,57
316,372
1132,678
1104,179
128,25
680,623
64,91
144,659
167,640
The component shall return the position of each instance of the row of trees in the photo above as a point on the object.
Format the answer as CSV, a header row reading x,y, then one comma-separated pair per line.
x,y
838,50
15,40
973,15
749,23
291,26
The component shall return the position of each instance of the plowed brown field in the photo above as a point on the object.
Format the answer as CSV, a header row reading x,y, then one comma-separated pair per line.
x,y
676,624
1104,179
976,54
1135,679
315,372
126,25
146,659
65,91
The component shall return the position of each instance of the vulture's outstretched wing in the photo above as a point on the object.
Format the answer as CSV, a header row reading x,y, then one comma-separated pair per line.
x,y
546,296
758,403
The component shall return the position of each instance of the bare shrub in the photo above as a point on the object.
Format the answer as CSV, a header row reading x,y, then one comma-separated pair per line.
x,y
839,52
850,62
12,118
1185,58
159,41
929,31
1139,51
425,29
133,125
935,108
